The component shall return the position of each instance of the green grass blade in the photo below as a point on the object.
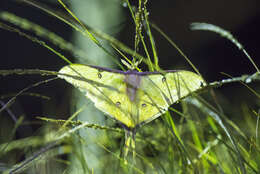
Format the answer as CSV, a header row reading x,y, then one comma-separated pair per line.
x,y
225,34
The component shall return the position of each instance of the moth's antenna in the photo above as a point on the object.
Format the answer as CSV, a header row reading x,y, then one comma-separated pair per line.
x,y
129,66
128,63
132,66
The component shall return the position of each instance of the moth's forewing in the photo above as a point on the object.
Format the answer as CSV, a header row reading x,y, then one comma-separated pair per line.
x,y
160,90
152,103
106,89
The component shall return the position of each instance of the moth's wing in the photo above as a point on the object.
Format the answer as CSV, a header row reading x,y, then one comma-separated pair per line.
x,y
179,84
151,102
158,91
106,89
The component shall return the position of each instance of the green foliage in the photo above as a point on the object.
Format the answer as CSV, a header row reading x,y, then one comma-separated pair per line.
x,y
197,137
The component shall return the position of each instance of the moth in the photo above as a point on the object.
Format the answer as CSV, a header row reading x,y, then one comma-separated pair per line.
x,y
132,98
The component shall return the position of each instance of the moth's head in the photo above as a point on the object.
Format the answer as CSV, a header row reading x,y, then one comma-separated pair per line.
x,y
131,65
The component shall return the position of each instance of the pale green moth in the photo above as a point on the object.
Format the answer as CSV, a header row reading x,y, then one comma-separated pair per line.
x,y
132,98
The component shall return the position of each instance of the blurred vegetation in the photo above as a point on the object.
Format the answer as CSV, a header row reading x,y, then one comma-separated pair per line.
x,y
204,133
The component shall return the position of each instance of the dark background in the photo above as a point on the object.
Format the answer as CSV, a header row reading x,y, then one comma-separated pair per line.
x,y
209,52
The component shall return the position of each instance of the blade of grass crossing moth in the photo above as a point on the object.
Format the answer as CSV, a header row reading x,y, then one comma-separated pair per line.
x,y
168,90
124,56
176,79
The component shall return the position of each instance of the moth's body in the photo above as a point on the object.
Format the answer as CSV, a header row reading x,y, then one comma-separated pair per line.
x,y
132,81
132,98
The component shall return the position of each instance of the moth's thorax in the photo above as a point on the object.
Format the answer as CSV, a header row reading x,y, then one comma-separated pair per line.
x,y
132,81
